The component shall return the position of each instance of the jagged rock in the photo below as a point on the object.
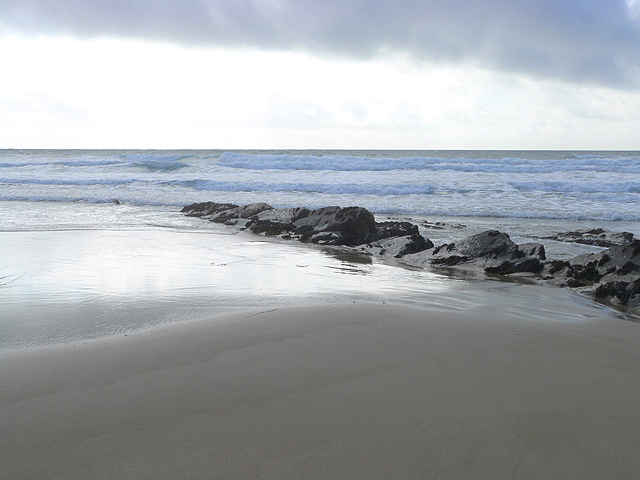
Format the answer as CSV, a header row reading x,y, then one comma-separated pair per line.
x,y
533,250
252,209
206,208
328,226
355,220
492,250
397,246
241,215
355,226
591,267
489,243
612,275
527,257
395,229
227,213
594,236
441,225
283,215
271,228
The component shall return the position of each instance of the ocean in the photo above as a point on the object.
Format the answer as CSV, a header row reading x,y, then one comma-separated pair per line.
x,y
589,186
92,242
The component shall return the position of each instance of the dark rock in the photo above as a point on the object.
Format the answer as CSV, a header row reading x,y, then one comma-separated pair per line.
x,y
355,226
593,266
515,265
492,250
395,229
448,255
252,209
234,216
619,292
612,275
353,220
594,236
270,228
283,215
326,238
206,208
441,225
491,242
349,226
227,213
397,247
449,261
533,250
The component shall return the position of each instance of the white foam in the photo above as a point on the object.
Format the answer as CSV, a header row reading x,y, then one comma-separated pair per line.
x,y
490,165
591,185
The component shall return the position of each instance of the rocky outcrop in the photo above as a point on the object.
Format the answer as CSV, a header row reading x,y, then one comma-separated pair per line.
x,y
397,247
593,236
612,275
492,250
350,226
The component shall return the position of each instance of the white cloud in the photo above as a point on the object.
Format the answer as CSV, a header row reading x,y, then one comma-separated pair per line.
x,y
106,93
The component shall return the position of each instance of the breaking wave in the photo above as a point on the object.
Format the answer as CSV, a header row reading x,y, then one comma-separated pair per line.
x,y
155,163
582,187
340,189
488,165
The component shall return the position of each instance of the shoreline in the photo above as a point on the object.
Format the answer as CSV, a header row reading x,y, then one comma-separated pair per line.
x,y
357,390
116,275
611,275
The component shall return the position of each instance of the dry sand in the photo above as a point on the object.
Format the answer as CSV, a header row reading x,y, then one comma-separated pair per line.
x,y
356,391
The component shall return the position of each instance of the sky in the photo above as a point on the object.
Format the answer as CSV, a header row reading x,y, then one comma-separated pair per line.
x,y
320,74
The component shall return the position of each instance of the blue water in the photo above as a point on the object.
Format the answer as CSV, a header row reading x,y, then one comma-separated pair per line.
x,y
587,186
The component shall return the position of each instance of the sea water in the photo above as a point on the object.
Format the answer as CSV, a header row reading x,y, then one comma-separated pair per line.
x,y
92,242
589,186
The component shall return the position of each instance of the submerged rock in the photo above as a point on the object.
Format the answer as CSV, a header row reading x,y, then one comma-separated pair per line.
x,y
593,236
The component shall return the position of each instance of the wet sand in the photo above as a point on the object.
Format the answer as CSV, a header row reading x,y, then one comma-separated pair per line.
x,y
363,390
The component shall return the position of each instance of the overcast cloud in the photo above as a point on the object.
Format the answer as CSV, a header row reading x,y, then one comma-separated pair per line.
x,y
591,42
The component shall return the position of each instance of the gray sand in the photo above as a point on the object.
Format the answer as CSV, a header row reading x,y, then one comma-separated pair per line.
x,y
357,391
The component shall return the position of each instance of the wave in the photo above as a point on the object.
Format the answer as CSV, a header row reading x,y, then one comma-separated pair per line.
x,y
488,165
460,211
88,199
331,188
65,163
78,182
582,187
418,209
154,162
151,162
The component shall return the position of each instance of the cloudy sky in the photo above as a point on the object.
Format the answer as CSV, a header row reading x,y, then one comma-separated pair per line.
x,y
396,74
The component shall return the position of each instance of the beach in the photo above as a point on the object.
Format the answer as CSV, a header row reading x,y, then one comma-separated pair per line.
x,y
358,390
138,342
221,354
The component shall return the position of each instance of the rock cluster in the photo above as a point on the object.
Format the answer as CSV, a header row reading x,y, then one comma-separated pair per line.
x,y
350,226
612,275
492,250
593,236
